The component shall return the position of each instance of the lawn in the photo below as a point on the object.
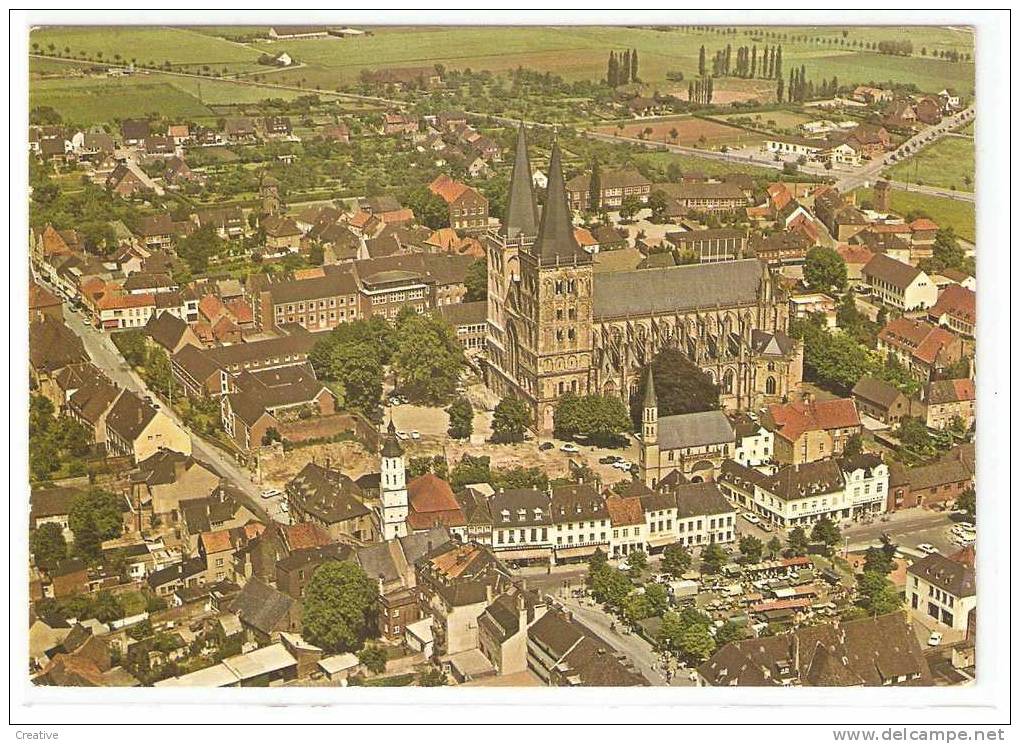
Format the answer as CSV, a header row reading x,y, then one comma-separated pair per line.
x,y
947,163
953,213
772,120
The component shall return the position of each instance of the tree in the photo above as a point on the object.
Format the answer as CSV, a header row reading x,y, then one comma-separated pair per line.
x,y
106,608
429,208
713,558
595,188
633,66
968,502
47,546
701,61
826,531
638,561
658,598
630,206
728,633
824,270
751,548
676,560
854,446
680,386
94,516
338,607
601,417
510,420
612,71
686,634
429,359
198,248
609,586
596,560
914,436
373,658
797,541
460,413
476,281
355,367
774,547
880,559
876,594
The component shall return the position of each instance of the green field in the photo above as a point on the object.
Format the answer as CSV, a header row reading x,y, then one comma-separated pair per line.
x,y
86,101
580,53
948,163
946,212
181,46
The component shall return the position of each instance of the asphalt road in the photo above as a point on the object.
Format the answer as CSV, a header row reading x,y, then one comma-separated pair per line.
x,y
108,359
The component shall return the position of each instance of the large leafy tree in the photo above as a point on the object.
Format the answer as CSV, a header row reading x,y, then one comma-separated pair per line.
x,y
357,375
602,417
680,386
713,558
95,516
510,420
428,359
197,249
824,270
610,586
751,548
797,541
339,607
47,545
876,594
676,560
429,209
827,532
460,414
686,634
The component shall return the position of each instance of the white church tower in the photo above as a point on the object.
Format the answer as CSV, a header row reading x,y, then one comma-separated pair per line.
x,y
393,487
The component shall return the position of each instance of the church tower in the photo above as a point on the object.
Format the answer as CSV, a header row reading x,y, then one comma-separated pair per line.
x,y
504,245
393,487
556,284
649,451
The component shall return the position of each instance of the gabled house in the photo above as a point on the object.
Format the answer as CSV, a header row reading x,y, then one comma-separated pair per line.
x,y
138,430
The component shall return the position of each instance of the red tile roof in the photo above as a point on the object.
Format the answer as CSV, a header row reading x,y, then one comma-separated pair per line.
x,y
306,535
956,301
447,189
922,224
625,511
923,340
430,493
791,420
854,254
211,307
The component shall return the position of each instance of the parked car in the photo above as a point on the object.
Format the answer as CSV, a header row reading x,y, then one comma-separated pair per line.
x,y
271,492
765,527
750,518
402,435
935,638
546,446
927,548
570,448
623,465
416,435
609,459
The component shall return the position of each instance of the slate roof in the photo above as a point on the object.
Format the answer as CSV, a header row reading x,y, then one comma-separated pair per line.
x,y
676,289
166,329
328,494
465,313
866,652
573,503
555,242
52,345
948,575
521,216
699,500
876,391
694,430
896,273
261,606
129,416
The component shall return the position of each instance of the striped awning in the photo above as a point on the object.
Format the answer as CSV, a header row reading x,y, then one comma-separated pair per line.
x,y
523,555
577,551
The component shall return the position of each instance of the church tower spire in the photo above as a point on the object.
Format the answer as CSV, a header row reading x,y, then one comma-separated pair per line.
x,y
521,210
556,242
393,486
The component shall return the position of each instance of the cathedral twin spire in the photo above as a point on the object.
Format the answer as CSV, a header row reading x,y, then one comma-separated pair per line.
x,y
555,242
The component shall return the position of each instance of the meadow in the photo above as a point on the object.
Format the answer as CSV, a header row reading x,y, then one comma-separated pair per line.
x,y
689,131
948,163
953,213
85,101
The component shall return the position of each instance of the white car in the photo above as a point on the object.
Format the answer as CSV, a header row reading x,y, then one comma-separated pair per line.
x,y
283,507
967,526
622,465
935,638
402,435
415,435
750,518
571,448
271,492
927,548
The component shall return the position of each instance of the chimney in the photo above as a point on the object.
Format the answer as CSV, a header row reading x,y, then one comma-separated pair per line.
x,y
807,398
488,593
568,615
180,468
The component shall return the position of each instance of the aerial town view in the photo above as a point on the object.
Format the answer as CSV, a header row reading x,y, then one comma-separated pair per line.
x,y
482,356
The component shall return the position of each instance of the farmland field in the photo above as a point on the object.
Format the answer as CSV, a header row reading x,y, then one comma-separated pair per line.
x,y
948,163
690,131
577,52
86,101
772,120
946,212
